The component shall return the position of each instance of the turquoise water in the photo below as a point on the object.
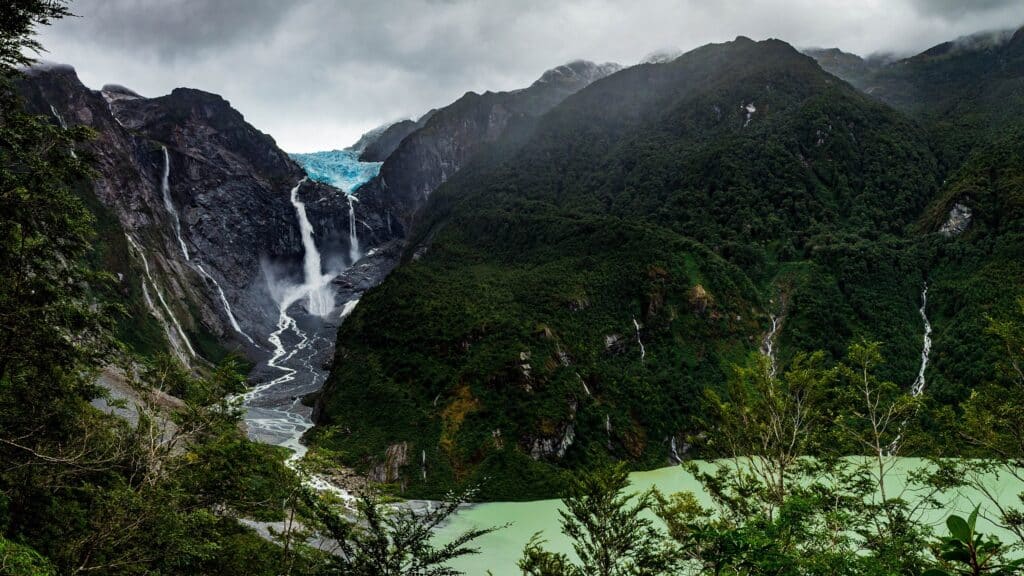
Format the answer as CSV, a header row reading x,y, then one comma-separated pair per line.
x,y
339,168
501,550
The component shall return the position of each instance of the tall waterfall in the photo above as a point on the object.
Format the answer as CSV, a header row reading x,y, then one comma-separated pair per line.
x,y
353,237
319,296
918,387
165,187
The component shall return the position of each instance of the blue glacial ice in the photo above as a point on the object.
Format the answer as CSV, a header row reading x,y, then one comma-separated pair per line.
x,y
339,168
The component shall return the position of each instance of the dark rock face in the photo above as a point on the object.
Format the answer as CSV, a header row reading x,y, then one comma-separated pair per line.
x,y
229,183
376,147
453,135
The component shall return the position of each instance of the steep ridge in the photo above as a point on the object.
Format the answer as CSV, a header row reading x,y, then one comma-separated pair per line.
x,y
136,231
205,196
571,291
451,136
376,147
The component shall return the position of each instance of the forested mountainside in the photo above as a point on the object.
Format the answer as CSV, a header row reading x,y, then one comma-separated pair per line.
x,y
566,297
808,264
964,93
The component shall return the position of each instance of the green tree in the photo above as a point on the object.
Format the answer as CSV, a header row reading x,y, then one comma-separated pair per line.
x,y
967,552
993,423
611,534
392,539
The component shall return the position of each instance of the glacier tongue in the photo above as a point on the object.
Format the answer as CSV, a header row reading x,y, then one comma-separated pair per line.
x,y
339,168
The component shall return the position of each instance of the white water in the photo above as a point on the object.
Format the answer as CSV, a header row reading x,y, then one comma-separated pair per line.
x,y
163,302
768,345
285,425
63,126
353,237
673,451
643,351
224,301
319,297
165,188
348,308
918,387
750,109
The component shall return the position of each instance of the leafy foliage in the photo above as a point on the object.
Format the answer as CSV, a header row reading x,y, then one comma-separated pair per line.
x,y
393,539
610,534
967,552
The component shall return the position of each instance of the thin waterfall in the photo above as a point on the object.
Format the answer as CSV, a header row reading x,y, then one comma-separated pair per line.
x,y
160,296
319,297
768,346
353,238
63,126
918,387
165,186
643,351
224,302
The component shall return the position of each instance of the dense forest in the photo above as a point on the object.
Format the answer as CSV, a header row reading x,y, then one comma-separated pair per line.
x,y
567,296
722,256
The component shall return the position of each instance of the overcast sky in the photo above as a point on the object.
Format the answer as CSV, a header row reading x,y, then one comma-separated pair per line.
x,y
315,74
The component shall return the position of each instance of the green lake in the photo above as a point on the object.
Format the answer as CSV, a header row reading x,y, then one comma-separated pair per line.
x,y
501,550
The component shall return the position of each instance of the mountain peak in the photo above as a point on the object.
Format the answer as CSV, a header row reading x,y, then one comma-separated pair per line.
x,y
113,92
661,56
1017,41
578,71
47,67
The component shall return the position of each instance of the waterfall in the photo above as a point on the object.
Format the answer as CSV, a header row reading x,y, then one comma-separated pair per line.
x,y
63,126
673,452
224,301
60,119
165,187
348,308
749,109
353,237
918,387
163,302
423,464
768,345
319,297
643,351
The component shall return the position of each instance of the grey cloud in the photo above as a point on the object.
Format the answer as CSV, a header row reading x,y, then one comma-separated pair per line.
x,y
175,28
954,9
316,73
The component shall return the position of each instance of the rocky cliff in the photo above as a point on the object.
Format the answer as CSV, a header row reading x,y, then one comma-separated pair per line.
x,y
377,145
453,135
226,224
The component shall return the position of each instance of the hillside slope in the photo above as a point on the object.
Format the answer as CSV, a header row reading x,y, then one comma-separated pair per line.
x,y
568,295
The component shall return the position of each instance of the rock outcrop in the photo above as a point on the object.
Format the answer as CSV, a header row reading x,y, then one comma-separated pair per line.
x,y
229,218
